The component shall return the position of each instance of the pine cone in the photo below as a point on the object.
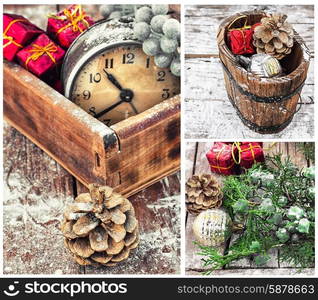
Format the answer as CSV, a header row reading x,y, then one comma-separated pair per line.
x,y
274,36
202,192
100,227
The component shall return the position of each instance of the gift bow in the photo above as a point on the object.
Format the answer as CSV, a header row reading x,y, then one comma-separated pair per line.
x,y
37,51
74,17
10,38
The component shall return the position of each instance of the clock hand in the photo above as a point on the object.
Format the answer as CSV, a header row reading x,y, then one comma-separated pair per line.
x,y
134,108
113,80
106,110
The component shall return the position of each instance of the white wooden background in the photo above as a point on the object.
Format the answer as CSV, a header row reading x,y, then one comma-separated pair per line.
x,y
208,112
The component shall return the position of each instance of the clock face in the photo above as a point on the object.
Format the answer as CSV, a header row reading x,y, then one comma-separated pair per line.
x,y
122,82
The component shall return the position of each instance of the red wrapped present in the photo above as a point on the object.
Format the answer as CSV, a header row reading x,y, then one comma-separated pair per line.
x,y
249,153
241,39
41,56
221,158
17,32
65,26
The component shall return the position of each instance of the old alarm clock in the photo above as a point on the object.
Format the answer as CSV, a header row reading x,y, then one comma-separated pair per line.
x,y
106,73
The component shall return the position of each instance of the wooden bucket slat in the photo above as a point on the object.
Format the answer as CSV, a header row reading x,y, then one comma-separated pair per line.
x,y
277,115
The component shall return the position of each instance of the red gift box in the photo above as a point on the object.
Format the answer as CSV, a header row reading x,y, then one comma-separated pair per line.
x,y
221,160
241,39
42,56
65,26
249,153
17,32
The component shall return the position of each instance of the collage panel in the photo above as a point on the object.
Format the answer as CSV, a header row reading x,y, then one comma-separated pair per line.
x,y
249,71
91,139
250,209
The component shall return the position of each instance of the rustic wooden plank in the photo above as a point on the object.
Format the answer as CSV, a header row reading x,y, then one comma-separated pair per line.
x,y
190,154
287,149
149,147
158,211
202,22
36,191
57,125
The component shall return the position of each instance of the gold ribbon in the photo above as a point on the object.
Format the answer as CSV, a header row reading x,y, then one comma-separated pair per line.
x,y
241,30
37,51
74,17
10,38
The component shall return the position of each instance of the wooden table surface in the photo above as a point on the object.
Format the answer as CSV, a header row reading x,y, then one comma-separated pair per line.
x,y
37,190
208,112
196,163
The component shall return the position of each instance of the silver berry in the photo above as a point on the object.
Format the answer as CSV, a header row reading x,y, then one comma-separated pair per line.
x,y
175,66
163,60
168,45
142,31
157,23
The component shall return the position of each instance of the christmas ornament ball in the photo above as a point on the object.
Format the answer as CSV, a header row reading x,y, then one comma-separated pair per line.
x,y
212,227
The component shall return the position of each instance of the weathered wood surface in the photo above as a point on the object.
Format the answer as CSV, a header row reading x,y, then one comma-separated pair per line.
x,y
208,112
36,192
196,163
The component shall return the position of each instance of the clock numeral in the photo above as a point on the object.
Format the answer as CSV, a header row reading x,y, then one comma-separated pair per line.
x,y
161,76
148,62
86,94
109,63
92,111
128,58
165,95
95,78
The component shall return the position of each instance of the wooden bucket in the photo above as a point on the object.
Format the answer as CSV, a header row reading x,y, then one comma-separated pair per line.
x,y
265,105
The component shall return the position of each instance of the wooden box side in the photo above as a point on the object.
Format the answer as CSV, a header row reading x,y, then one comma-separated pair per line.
x,y
72,137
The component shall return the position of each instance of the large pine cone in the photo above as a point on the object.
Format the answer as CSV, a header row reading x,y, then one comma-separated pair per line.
x,y
100,227
202,192
274,36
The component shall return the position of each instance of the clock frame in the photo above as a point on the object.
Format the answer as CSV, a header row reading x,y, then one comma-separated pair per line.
x,y
86,84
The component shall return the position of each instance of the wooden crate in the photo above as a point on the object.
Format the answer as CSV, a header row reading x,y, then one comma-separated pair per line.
x,y
128,156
